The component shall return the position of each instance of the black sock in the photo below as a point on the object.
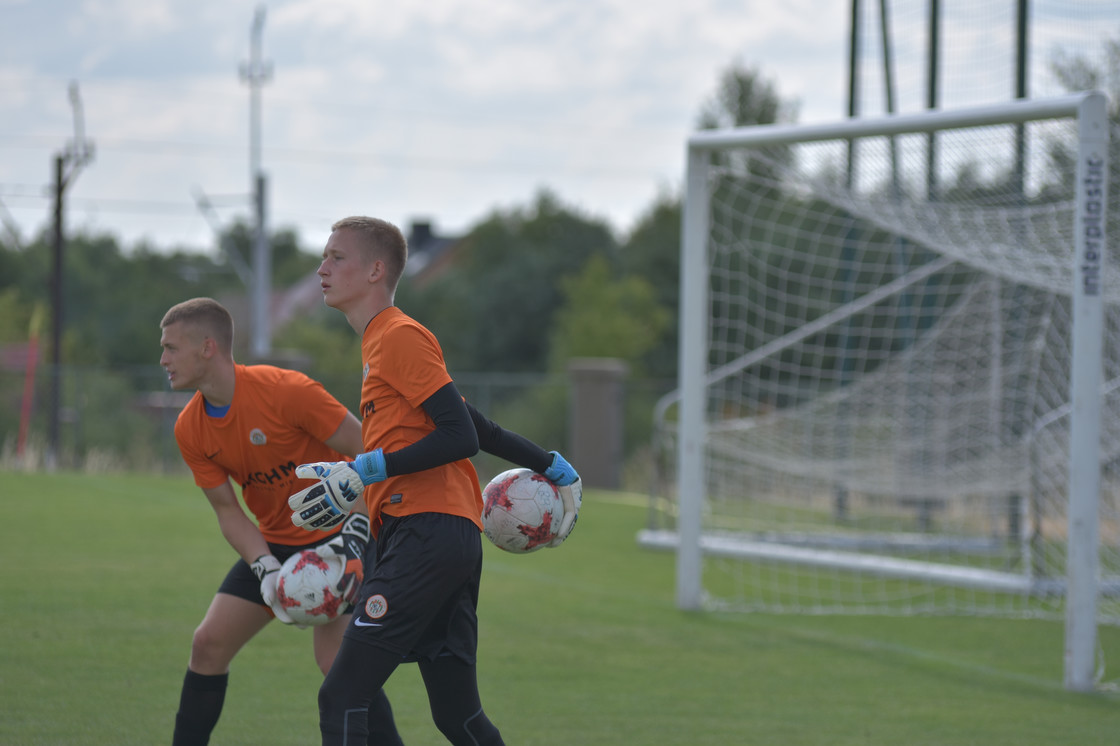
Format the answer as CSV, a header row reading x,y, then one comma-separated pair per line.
x,y
200,705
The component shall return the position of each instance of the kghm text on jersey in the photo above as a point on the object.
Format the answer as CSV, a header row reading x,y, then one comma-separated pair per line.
x,y
279,474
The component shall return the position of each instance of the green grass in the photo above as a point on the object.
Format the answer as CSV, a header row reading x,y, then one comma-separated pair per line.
x,y
105,577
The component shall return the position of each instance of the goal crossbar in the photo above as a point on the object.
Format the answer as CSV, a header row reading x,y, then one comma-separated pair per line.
x,y
1017,112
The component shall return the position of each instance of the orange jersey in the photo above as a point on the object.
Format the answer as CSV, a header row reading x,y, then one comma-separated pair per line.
x,y
278,420
403,366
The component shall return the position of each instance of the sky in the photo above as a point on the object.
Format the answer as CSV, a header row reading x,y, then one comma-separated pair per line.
x,y
442,110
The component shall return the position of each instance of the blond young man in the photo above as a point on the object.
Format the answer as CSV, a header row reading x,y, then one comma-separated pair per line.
x,y
253,425
418,601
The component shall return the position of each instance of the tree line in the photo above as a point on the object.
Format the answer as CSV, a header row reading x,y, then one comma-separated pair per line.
x,y
532,287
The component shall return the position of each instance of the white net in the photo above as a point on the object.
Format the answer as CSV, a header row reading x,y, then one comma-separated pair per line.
x,y
889,376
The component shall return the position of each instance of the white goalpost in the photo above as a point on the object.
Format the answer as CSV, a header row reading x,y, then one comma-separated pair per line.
x,y
899,382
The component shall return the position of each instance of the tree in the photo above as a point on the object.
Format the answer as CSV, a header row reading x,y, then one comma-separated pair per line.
x,y
494,309
1075,73
743,97
606,316
652,250
289,261
652,254
1078,73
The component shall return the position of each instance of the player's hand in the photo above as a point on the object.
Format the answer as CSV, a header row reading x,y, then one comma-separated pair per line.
x,y
561,473
564,476
326,504
572,496
267,569
350,544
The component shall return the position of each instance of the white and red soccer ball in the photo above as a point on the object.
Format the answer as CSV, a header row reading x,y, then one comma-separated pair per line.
x,y
308,587
521,511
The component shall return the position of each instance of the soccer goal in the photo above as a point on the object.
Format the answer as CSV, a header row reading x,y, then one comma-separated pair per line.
x,y
900,371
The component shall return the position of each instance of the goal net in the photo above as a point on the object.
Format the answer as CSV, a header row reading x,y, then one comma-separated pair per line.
x,y
898,356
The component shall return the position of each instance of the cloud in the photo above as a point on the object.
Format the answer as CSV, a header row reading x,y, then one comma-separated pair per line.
x,y
441,108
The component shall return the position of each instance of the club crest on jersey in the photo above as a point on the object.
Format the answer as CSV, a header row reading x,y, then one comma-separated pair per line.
x,y
257,437
376,606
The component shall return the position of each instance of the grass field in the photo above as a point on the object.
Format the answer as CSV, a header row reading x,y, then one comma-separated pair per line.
x,y
105,576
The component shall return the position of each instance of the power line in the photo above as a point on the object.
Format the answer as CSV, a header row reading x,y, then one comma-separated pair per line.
x,y
388,161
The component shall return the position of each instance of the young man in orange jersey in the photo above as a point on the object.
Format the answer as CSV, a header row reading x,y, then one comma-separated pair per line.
x,y
418,602
254,425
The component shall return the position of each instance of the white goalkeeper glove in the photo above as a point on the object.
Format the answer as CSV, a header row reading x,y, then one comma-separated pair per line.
x,y
326,504
267,569
568,483
350,545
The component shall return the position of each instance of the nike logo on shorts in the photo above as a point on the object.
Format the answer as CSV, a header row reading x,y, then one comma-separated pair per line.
x,y
359,623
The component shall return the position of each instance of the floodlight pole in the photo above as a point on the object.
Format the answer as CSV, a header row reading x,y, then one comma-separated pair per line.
x,y
67,164
256,73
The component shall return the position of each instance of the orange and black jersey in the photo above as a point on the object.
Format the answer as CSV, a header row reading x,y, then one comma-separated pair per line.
x,y
412,411
402,367
278,419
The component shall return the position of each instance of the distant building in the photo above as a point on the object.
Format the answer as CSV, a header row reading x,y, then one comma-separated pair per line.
x,y
429,255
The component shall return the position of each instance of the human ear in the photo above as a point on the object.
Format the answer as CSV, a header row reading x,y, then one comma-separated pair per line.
x,y
376,271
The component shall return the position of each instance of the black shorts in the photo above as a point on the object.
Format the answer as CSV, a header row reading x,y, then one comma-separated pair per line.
x,y
420,595
242,582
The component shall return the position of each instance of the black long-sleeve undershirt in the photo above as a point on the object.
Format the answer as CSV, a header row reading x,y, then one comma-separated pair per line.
x,y
460,432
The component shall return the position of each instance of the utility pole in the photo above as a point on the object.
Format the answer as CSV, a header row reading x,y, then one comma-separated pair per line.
x,y
225,244
67,164
256,73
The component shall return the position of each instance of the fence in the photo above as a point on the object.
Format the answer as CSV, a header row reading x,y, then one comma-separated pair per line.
x,y
123,418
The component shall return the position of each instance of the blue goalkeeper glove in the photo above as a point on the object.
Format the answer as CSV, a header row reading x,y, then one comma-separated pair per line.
x,y
561,472
326,504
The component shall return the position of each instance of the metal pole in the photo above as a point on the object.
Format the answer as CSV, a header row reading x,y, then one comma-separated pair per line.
x,y
256,73
75,155
1083,532
931,95
53,427
1021,29
853,87
262,275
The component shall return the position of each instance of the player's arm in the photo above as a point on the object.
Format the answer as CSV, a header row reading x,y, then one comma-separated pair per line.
x,y
244,536
517,449
241,533
453,438
325,504
508,445
347,438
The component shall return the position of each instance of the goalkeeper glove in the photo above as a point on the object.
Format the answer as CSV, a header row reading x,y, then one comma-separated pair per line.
x,y
267,569
564,476
326,504
350,544
561,472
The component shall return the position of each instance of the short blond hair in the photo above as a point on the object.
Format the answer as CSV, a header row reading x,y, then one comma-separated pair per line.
x,y
206,314
380,240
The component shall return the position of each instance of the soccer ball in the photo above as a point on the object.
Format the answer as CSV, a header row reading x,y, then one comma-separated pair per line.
x,y
308,587
521,511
